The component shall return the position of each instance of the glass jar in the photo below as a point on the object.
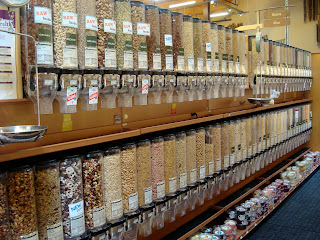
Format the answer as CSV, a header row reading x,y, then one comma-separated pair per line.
x,y
200,153
187,42
22,203
144,173
223,56
242,52
4,213
122,15
65,24
229,49
170,172
36,21
235,50
87,34
129,178
237,141
47,193
209,151
232,144
166,39
71,194
225,145
207,46
157,168
217,147
140,31
153,41
197,44
181,158
177,48
112,192
191,157
215,47
106,34
92,170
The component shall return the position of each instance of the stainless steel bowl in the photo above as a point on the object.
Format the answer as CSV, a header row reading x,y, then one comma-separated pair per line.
x,y
20,134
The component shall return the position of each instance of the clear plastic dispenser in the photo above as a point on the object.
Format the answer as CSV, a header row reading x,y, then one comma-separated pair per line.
x,y
157,83
180,90
146,220
90,93
131,227
69,92
201,81
208,88
168,88
108,94
117,230
141,89
48,85
126,90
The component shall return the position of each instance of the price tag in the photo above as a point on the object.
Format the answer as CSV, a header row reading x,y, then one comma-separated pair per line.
x,y
133,201
231,67
168,40
110,58
110,26
216,65
157,61
42,15
145,85
91,23
209,65
93,95
169,62
200,64
180,60
127,27
211,168
183,180
208,47
72,96
142,60
128,59
190,64
193,175
70,56
55,231
237,67
224,66
172,185
202,172
148,196
160,190
143,29
69,19
116,208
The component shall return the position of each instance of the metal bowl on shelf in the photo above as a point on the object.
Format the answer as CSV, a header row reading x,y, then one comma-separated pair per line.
x,y
260,101
21,134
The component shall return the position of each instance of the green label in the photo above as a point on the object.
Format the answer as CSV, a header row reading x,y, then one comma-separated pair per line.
x,y
128,45
225,57
208,55
143,47
217,55
45,35
111,43
231,58
91,41
169,49
181,51
264,137
239,147
71,39
268,63
158,49
232,149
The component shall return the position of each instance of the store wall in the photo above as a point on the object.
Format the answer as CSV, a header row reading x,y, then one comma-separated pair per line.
x,y
301,35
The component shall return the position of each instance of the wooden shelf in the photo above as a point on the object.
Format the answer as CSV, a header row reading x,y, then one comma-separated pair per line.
x,y
242,233
162,233
35,151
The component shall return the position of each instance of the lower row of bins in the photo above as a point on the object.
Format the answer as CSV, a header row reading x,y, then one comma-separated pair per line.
x,y
70,195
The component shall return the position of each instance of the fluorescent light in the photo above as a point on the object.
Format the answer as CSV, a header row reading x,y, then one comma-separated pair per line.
x,y
220,14
182,4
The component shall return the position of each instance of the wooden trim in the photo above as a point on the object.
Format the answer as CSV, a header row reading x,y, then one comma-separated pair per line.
x,y
34,151
15,100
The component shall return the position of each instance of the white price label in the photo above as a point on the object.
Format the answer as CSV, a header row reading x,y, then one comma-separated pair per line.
x,y
143,29
190,64
142,60
193,175
72,96
202,172
232,157
127,27
70,56
211,168
69,19
76,215
237,67
133,201
226,161
231,67
117,208
44,53
93,95
160,190
216,65
55,232
209,65
110,58
145,85
110,26
169,62
128,59
42,15
200,64
99,216
208,47
91,57
183,180
168,40
180,62
218,165
148,196
224,66
91,23
172,185
157,61
76,209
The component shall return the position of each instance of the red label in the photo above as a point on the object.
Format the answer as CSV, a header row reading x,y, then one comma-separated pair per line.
x,y
71,97
93,96
41,13
68,17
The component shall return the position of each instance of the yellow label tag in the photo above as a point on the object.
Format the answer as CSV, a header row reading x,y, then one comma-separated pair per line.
x,y
235,99
295,94
67,123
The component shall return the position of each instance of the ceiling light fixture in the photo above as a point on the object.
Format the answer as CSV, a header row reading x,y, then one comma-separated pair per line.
x,y
220,14
182,4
